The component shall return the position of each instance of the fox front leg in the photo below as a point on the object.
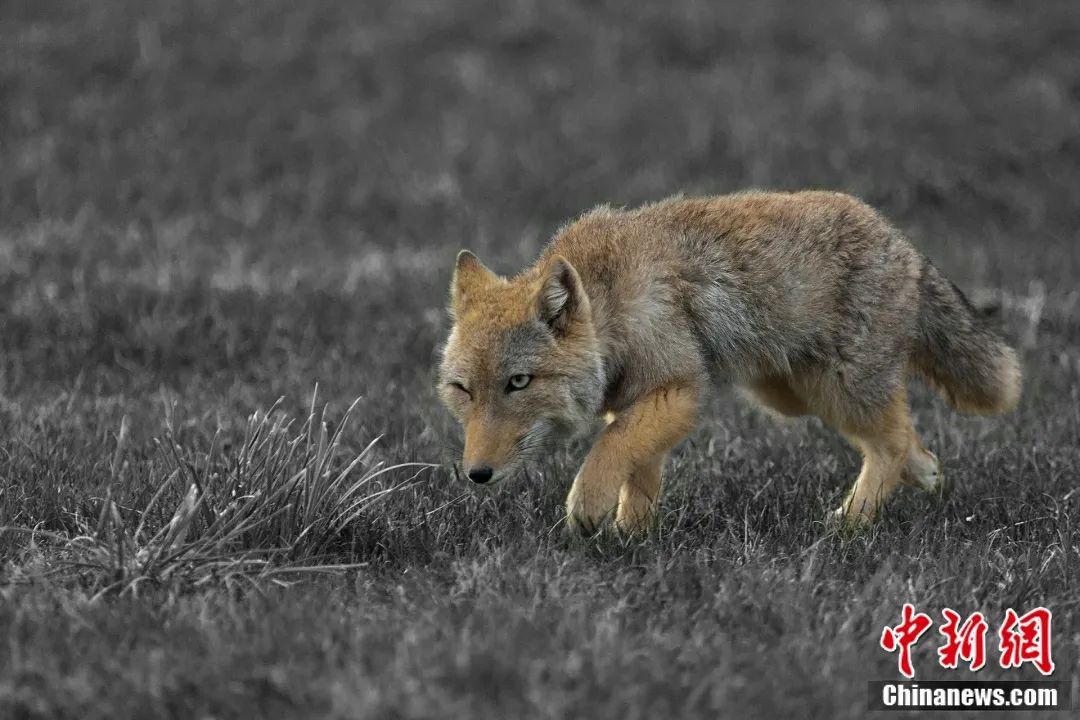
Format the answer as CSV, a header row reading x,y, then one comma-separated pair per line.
x,y
622,471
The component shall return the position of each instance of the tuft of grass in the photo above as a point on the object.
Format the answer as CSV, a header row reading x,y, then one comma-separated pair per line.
x,y
282,503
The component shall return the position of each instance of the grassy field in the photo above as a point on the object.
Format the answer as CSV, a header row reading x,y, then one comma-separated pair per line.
x,y
209,205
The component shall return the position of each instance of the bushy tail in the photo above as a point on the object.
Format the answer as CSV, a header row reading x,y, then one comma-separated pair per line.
x,y
958,355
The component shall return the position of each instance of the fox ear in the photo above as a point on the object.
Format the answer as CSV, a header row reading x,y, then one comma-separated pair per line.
x,y
561,295
469,276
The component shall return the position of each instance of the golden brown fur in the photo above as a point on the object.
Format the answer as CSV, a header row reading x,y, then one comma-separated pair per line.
x,y
810,301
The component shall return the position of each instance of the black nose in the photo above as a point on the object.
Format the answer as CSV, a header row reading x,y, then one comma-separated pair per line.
x,y
480,474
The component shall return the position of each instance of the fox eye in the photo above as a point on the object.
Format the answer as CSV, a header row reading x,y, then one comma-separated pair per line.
x,y
462,388
518,382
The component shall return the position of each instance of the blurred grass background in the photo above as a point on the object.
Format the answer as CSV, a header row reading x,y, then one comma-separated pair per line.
x,y
207,205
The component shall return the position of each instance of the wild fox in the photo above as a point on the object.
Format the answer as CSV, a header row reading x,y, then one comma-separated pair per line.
x,y
810,301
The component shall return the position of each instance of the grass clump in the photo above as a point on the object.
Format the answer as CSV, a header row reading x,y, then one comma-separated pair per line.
x,y
283,502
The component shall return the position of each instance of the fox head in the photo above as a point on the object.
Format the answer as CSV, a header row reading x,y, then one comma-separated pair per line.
x,y
521,367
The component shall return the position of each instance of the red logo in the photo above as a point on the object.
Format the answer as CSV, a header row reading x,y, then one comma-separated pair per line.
x,y
963,642
904,636
1023,638
1026,639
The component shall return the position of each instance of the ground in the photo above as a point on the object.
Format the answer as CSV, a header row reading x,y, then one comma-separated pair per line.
x,y
206,206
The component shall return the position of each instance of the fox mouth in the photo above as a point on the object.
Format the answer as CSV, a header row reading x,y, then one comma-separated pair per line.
x,y
527,447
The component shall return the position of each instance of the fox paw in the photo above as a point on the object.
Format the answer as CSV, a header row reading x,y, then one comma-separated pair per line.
x,y
844,519
585,512
635,525
582,525
923,471
636,511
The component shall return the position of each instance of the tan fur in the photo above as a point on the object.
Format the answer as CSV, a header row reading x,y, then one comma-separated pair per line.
x,y
885,444
623,468
776,393
809,301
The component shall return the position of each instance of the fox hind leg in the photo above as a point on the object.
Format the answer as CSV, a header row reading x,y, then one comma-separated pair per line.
x,y
887,444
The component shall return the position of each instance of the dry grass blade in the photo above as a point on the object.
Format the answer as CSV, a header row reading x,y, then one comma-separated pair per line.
x,y
281,505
